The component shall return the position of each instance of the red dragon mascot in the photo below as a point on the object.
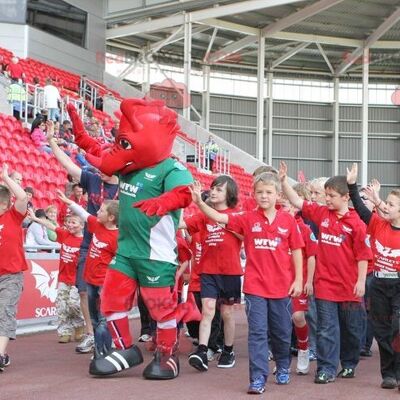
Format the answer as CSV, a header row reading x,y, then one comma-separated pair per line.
x,y
153,189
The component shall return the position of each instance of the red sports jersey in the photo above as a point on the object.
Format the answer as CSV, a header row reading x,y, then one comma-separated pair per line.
x,y
220,248
69,254
12,256
342,242
268,270
385,244
196,247
101,251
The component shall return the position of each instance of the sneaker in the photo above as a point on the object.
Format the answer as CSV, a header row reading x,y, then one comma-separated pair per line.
x,y
347,373
313,356
7,360
303,362
323,377
165,365
198,360
86,345
389,383
226,359
257,386
145,338
366,353
2,363
64,339
79,333
115,361
282,376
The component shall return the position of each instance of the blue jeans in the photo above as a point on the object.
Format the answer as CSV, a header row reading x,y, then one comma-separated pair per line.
x,y
338,335
273,318
102,336
367,335
311,317
54,114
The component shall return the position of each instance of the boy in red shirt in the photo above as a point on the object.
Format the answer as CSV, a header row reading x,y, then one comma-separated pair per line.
x,y
339,282
67,302
102,249
12,259
269,235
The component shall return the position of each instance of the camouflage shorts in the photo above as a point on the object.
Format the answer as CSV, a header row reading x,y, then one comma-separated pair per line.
x,y
10,292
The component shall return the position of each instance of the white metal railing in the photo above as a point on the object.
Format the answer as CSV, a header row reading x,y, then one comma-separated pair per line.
x,y
221,163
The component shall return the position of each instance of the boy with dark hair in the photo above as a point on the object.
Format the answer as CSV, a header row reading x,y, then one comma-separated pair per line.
x,y
339,283
12,259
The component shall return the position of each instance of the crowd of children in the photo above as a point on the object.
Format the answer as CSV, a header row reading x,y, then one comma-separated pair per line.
x,y
309,259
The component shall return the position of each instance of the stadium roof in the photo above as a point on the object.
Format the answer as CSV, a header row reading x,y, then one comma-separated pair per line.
x,y
322,38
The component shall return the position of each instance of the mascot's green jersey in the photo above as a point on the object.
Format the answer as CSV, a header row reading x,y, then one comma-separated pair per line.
x,y
140,236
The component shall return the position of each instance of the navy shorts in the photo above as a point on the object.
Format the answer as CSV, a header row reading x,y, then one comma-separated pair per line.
x,y
80,283
225,288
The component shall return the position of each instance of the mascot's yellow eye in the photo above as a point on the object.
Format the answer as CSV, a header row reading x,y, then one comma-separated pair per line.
x,y
125,144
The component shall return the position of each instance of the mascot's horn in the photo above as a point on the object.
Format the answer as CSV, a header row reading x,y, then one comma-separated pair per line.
x,y
128,108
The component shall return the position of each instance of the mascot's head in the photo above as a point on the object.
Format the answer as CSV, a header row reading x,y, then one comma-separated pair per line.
x,y
145,137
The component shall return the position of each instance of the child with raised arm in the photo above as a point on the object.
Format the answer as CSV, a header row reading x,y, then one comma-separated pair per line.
x,y
339,281
102,249
70,319
12,259
269,235
385,286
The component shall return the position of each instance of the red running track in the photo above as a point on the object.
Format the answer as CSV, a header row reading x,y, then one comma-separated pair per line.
x,y
42,369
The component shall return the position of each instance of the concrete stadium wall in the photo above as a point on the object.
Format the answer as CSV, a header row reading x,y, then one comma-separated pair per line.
x,y
303,134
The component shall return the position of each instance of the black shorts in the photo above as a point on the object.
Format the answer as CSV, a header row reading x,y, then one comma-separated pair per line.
x,y
225,288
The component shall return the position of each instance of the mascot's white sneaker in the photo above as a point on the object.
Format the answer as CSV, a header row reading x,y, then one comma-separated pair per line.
x,y
116,361
163,366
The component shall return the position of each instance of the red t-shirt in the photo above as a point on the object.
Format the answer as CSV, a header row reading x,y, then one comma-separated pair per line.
x,y
101,251
15,70
69,254
12,255
269,267
220,248
342,242
196,246
310,244
385,244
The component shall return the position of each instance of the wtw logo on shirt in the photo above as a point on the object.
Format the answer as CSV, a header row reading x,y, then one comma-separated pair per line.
x,y
266,244
332,239
130,190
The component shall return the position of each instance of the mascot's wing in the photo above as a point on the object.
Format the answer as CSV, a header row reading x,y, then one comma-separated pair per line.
x,y
42,279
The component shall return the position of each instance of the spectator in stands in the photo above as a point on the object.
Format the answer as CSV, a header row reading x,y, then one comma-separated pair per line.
x,y
30,193
36,234
99,188
12,260
81,160
51,100
211,152
3,65
66,131
16,96
15,70
51,215
38,135
16,177
88,110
